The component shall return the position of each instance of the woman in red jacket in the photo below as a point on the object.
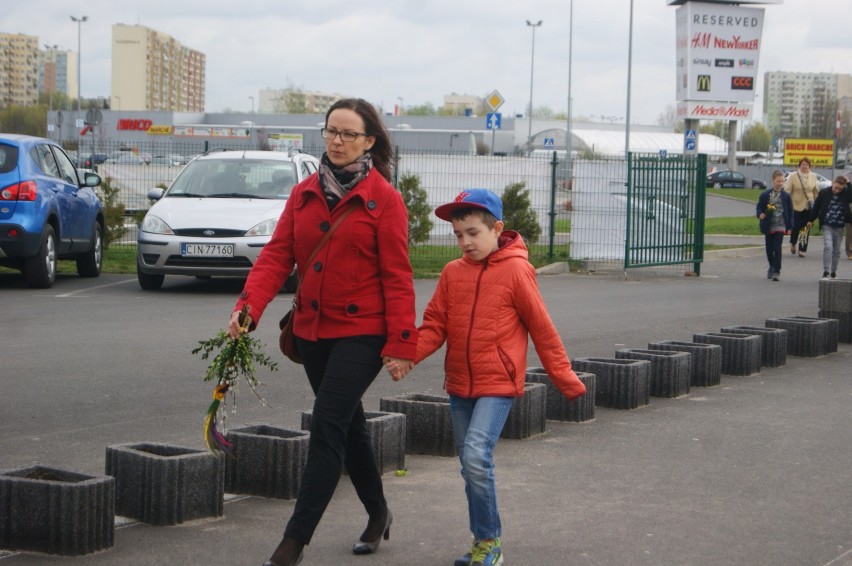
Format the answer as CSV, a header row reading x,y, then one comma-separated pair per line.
x,y
354,309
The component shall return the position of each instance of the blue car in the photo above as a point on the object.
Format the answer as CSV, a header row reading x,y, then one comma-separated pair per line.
x,y
47,211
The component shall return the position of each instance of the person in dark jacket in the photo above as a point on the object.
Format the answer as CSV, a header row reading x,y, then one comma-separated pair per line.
x,y
775,210
832,209
354,310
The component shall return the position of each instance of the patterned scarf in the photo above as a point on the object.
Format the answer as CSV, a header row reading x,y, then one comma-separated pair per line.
x,y
337,181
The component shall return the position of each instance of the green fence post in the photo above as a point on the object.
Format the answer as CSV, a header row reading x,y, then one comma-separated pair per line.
x,y
553,163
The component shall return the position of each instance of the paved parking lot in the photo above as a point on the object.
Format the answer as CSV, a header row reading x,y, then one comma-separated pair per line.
x,y
753,471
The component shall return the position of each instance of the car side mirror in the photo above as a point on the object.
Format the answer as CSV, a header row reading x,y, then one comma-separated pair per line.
x,y
156,193
91,179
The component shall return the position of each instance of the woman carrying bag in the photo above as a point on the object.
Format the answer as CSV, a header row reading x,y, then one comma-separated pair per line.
x,y
354,309
802,187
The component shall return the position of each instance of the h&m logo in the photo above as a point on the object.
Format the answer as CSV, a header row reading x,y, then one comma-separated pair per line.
x,y
703,84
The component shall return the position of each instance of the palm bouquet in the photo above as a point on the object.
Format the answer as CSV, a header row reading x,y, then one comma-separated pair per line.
x,y
233,359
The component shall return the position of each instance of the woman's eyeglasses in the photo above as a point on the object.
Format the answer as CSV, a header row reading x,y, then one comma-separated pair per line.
x,y
346,136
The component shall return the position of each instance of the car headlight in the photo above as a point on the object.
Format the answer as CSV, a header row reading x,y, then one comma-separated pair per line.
x,y
155,225
265,228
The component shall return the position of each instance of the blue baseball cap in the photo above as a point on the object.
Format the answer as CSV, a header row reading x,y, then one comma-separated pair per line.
x,y
472,198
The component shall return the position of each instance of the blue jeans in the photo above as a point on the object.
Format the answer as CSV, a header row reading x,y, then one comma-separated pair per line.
x,y
832,237
477,424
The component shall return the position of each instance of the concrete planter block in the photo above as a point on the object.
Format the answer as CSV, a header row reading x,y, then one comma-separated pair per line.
x,y
266,461
163,484
559,408
773,343
808,337
835,295
706,367
428,425
740,352
621,384
387,433
528,414
670,370
844,324
56,511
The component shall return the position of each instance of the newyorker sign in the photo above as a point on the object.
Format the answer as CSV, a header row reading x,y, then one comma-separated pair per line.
x,y
723,34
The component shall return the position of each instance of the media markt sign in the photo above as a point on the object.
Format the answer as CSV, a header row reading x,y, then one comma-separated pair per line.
x,y
494,100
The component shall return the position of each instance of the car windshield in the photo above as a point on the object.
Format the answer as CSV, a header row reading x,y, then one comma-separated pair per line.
x,y
235,178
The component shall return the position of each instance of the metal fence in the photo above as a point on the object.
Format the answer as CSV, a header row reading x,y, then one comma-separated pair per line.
x,y
583,219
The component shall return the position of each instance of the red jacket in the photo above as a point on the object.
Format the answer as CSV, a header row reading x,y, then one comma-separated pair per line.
x,y
485,311
360,282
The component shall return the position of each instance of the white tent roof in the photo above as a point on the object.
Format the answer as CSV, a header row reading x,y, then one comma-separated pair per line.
x,y
611,142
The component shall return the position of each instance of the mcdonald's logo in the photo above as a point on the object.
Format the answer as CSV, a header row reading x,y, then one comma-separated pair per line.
x,y
742,83
703,83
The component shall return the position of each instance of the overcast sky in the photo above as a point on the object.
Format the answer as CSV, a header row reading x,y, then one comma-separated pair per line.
x,y
384,50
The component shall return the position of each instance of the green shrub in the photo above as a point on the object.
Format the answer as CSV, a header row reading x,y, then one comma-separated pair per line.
x,y
518,214
419,211
114,228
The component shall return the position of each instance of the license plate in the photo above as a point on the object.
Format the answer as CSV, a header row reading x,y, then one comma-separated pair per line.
x,y
208,250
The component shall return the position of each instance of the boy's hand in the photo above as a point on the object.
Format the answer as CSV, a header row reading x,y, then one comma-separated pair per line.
x,y
397,367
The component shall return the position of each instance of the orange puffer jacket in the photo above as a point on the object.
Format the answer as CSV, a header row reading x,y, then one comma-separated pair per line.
x,y
485,311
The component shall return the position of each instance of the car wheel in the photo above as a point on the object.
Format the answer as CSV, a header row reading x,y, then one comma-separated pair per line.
x,y
149,281
40,270
89,263
717,185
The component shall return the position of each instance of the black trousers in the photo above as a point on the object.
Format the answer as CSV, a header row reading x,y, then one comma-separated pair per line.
x,y
340,371
800,218
773,250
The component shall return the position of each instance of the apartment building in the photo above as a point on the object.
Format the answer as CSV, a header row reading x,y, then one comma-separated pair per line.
x,y
804,104
294,101
57,71
151,70
19,69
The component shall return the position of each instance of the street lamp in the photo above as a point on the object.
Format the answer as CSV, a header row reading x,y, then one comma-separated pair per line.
x,y
79,21
532,61
252,104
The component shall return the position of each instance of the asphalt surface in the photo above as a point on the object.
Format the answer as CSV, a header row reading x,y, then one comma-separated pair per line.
x,y
753,471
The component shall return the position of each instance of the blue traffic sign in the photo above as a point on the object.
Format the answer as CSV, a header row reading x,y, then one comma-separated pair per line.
x,y
492,120
690,137
549,142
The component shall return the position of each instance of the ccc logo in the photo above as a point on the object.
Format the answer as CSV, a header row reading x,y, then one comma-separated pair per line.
x,y
703,83
742,83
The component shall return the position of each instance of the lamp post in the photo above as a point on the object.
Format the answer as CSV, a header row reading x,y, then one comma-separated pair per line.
x,y
252,104
79,21
532,65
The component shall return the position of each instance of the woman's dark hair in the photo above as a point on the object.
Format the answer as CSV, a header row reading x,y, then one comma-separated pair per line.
x,y
805,160
381,151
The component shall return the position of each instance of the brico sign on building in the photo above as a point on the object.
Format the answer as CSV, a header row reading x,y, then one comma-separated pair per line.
x,y
717,53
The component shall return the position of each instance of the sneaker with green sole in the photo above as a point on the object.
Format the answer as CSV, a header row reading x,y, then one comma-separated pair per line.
x,y
486,553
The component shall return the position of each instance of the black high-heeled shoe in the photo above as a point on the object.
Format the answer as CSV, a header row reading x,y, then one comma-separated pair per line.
x,y
367,546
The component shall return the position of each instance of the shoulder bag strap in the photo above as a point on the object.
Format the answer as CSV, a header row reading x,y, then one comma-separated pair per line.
x,y
802,184
325,237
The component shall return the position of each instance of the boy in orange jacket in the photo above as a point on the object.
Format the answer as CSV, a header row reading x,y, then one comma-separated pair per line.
x,y
485,306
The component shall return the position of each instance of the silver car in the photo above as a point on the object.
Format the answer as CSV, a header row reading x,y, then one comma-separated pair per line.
x,y
217,215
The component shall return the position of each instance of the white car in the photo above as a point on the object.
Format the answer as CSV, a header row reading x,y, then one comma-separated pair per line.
x,y
217,215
